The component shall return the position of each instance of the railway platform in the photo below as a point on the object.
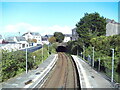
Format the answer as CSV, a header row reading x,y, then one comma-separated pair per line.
x,y
89,78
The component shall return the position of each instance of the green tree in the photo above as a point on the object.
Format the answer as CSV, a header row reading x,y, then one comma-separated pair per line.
x,y
52,39
59,37
91,25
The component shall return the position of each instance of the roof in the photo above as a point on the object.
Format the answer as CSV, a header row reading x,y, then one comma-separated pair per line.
x,y
0,36
9,39
20,38
112,21
48,36
74,29
68,35
32,33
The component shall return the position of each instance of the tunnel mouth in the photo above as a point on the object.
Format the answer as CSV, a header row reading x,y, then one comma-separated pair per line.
x,y
61,49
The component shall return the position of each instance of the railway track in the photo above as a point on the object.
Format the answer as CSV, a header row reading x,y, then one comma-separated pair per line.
x,y
64,74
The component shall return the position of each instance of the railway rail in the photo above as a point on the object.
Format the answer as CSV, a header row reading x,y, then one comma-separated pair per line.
x,y
63,75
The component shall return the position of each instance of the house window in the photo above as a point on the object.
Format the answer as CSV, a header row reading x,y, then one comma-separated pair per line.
x,y
23,45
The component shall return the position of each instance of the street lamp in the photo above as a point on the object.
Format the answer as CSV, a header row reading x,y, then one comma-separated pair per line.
x,y
77,50
48,50
26,60
93,58
83,51
112,65
42,52
81,54
34,58
99,65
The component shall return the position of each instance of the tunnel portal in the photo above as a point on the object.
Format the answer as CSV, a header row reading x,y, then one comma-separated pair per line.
x,y
61,49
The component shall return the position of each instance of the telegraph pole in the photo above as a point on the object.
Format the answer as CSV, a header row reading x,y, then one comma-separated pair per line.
x,y
112,65
93,58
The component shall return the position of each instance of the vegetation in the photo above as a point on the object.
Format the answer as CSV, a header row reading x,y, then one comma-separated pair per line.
x,y
91,25
34,40
59,37
52,39
14,63
91,31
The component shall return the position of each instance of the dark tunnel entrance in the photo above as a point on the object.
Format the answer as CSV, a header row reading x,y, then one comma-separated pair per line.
x,y
61,49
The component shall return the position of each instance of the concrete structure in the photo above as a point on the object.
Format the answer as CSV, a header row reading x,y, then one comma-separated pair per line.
x,y
89,78
112,28
68,37
74,35
33,35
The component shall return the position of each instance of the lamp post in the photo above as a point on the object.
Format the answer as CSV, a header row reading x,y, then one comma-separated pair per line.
x,y
99,65
112,65
83,52
77,50
42,52
93,58
48,50
34,58
26,60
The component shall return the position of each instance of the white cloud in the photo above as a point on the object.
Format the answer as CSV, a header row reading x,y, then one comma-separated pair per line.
x,y
43,30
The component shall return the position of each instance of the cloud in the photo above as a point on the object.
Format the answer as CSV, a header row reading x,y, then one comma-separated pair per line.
x,y
43,30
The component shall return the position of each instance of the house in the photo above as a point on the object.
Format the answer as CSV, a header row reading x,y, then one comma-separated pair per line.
x,y
67,37
49,36
112,28
1,39
45,39
22,42
30,36
74,35
17,42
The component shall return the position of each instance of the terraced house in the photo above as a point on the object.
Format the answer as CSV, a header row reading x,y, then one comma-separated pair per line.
x,y
112,28
33,37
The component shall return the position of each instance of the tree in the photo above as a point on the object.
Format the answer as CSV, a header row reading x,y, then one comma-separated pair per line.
x,y
59,37
52,39
74,47
34,40
91,25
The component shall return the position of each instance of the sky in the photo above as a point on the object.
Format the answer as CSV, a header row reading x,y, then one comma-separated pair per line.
x,y
49,17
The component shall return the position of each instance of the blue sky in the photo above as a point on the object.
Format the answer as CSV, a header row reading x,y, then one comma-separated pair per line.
x,y
48,17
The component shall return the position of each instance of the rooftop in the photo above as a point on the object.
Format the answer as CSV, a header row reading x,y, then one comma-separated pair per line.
x,y
32,33
20,38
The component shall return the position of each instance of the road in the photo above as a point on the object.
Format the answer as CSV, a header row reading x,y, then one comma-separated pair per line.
x,y
63,75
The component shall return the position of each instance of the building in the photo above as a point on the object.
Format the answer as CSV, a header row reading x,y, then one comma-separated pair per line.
x,y
45,39
67,37
48,36
74,35
16,42
112,28
29,36
1,39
